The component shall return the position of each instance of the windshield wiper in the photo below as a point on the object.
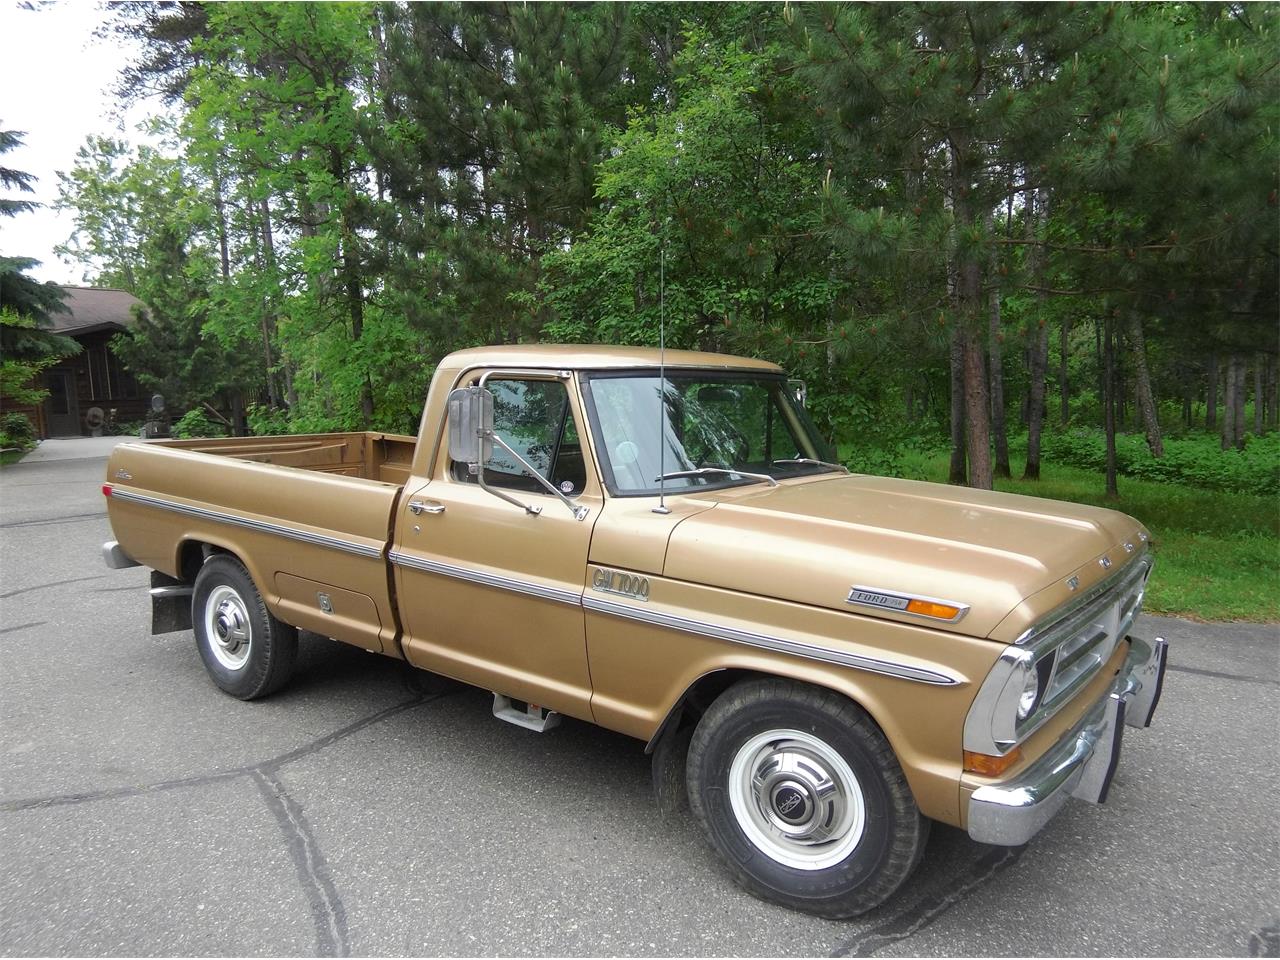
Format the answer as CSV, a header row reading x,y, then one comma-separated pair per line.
x,y
703,471
816,463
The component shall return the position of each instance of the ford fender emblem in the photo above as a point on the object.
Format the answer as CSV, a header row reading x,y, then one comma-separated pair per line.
x,y
123,474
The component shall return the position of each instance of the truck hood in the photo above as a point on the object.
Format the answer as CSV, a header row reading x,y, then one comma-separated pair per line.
x,y
812,541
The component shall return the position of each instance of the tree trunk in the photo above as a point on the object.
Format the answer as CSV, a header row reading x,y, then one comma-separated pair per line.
x,y
1064,386
959,471
1187,387
268,312
1024,405
977,432
1237,438
1038,350
237,412
1121,385
1228,433
967,296
996,382
1274,396
1142,376
1259,360
219,209
1035,400
1109,400
1211,393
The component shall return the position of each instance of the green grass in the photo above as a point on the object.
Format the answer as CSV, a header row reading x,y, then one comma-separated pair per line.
x,y
1217,553
11,456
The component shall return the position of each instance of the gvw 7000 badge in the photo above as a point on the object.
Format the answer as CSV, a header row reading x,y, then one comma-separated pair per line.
x,y
623,584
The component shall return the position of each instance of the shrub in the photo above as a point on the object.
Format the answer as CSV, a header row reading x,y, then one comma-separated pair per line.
x,y
17,430
265,421
195,423
1195,460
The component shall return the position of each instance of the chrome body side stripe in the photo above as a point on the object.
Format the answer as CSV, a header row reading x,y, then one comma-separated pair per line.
x,y
259,526
775,644
486,579
699,627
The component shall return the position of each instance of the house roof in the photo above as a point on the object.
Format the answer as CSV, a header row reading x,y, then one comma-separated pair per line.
x,y
94,308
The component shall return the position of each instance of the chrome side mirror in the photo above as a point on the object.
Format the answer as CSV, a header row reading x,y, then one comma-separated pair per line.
x,y
471,440
471,426
799,390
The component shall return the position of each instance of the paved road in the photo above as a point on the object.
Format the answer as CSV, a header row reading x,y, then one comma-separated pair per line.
x,y
373,809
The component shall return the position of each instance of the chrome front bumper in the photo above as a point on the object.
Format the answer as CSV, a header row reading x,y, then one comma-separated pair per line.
x,y
1079,765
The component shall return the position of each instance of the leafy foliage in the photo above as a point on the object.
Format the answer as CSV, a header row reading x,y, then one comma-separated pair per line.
x,y
16,430
857,191
1196,461
196,423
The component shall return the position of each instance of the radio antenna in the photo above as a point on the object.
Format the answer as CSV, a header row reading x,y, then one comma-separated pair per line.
x,y
662,507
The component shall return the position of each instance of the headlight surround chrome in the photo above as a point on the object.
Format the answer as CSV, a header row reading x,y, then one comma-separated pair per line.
x,y
1049,664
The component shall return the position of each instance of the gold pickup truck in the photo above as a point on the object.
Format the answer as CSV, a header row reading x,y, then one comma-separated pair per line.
x,y
661,545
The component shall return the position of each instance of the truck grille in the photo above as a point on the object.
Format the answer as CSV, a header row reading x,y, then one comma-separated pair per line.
x,y
1087,635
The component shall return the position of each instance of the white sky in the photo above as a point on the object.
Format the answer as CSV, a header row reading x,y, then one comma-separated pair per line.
x,y
55,81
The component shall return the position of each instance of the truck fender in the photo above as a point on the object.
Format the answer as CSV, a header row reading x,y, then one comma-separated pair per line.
x,y
669,745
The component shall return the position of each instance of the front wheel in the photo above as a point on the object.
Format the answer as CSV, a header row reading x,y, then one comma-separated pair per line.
x,y
247,651
803,798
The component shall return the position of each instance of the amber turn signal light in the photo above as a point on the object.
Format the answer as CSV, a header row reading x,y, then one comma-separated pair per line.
x,y
927,608
990,766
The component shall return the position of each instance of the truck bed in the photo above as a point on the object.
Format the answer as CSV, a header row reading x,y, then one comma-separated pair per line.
x,y
385,457
309,516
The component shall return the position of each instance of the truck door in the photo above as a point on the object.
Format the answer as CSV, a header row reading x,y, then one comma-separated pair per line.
x,y
489,592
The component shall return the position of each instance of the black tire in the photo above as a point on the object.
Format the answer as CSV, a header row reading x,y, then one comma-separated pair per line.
x,y
796,732
247,651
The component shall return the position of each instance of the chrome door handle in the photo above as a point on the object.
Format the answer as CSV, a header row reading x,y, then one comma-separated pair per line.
x,y
420,507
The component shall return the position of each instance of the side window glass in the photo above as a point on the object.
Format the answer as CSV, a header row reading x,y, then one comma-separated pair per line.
x,y
534,418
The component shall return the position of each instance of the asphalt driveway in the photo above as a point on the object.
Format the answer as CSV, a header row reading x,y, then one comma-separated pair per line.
x,y
373,809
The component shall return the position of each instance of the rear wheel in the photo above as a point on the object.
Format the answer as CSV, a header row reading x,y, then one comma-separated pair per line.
x,y
803,798
247,651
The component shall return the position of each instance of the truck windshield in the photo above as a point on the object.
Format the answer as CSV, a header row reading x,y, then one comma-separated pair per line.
x,y
706,419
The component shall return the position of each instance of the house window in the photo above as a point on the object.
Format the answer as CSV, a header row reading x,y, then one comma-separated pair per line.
x,y
126,387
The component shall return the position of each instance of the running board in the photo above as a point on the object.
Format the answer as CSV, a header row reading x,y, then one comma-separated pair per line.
x,y
533,717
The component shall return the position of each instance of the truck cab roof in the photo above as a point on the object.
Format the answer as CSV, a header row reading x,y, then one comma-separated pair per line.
x,y
595,357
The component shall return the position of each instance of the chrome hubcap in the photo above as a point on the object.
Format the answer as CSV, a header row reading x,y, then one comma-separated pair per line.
x,y
796,799
227,625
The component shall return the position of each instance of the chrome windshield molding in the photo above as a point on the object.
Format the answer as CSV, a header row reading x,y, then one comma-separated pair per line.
x,y
485,579
794,648
869,592
258,526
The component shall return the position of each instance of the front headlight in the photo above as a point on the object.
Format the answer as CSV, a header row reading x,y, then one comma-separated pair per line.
x,y
1034,684
1030,694
1009,701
